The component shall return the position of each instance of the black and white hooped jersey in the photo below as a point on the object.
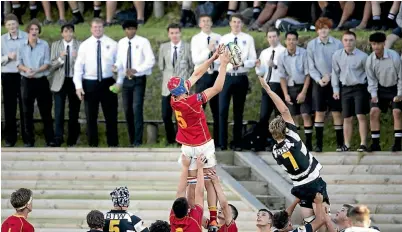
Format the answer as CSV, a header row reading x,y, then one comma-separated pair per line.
x,y
305,228
292,155
123,221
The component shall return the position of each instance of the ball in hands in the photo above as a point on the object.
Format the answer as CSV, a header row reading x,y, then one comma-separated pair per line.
x,y
235,54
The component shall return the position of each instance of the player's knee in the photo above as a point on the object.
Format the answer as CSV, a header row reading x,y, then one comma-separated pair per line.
x,y
348,120
361,118
374,113
397,114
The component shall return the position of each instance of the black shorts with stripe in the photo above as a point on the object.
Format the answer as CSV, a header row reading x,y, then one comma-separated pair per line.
x,y
385,97
355,100
306,192
323,99
305,107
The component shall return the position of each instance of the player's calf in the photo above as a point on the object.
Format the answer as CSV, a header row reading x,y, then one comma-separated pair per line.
x,y
398,129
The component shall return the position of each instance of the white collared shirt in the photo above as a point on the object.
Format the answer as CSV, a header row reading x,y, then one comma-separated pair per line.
x,y
86,63
172,45
247,47
142,57
199,48
8,45
264,58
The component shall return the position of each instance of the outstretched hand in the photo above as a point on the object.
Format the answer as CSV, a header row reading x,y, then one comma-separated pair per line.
x,y
264,84
225,57
218,51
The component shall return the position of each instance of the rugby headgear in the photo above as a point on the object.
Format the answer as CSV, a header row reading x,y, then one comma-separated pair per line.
x,y
120,197
176,86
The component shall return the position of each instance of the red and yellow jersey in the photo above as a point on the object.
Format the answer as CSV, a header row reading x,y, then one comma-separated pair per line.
x,y
16,223
190,223
232,227
193,128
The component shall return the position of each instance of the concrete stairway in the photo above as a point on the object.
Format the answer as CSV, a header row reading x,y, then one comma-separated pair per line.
x,y
373,179
68,183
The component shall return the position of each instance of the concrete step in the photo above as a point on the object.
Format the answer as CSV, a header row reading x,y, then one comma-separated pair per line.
x,y
365,198
106,204
256,187
80,214
90,156
91,165
375,208
91,185
272,202
356,169
104,195
92,175
238,172
348,160
364,188
387,219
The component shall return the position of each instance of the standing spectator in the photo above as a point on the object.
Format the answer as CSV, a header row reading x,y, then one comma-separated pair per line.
x,y
11,78
320,52
119,217
19,10
267,66
95,220
33,63
21,200
264,220
349,83
135,60
236,84
92,78
48,12
63,56
174,60
295,83
77,15
384,75
203,45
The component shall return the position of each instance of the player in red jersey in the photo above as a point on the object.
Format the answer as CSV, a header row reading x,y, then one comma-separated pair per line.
x,y
227,215
193,132
183,217
21,200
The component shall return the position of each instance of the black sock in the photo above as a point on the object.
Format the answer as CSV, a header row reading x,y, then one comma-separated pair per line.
x,y
339,134
375,137
398,136
391,20
256,12
391,16
34,11
97,11
319,133
184,15
308,132
377,20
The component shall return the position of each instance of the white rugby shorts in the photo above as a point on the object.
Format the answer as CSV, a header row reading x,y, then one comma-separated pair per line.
x,y
208,150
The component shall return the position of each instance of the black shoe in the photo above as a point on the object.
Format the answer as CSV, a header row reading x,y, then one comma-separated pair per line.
x,y
375,147
58,142
9,144
362,148
396,148
28,145
77,19
318,149
140,22
51,144
238,149
221,148
342,148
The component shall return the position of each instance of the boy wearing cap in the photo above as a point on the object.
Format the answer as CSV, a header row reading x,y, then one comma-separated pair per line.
x,y
119,216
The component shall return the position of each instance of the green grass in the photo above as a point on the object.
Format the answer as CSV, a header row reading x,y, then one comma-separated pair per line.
x,y
155,31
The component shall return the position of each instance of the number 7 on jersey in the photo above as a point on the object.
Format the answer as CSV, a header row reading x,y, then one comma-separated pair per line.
x,y
292,160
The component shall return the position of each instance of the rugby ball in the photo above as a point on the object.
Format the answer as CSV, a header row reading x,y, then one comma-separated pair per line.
x,y
235,54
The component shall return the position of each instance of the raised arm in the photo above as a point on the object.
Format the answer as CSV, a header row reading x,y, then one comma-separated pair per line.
x,y
280,105
220,80
199,72
181,189
319,213
221,197
292,207
199,187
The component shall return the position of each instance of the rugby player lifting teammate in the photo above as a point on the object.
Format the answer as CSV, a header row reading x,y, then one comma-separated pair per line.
x,y
193,132
292,155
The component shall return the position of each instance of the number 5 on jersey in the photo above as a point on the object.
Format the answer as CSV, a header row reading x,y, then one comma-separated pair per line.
x,y
292,160
114,226
180,120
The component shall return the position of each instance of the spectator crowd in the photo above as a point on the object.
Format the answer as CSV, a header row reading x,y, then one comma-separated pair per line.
x,y
327,75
